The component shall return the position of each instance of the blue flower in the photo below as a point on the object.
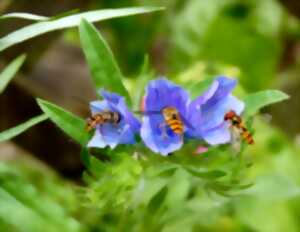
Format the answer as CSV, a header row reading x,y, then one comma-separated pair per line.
x,y
109,134
207,111
156,134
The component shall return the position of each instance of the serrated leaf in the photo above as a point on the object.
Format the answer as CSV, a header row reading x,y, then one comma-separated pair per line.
x,y
12,132
72,125
40,28
104,69
10,71
254,102
24,16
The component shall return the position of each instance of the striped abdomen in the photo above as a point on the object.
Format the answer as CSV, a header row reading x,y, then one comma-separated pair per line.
x,y
237,122
175,125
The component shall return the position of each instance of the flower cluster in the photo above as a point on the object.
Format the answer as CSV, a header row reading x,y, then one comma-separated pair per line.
x,y
201,118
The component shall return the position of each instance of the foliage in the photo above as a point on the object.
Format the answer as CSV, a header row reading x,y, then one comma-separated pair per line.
x,y
35,199
40,28
226,188
5,77
10,71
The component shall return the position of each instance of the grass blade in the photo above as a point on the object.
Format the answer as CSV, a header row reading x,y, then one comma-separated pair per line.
x,y
40,28
12,132
10,71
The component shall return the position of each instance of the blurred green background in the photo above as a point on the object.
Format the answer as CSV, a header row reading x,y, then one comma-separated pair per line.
x,y
256,41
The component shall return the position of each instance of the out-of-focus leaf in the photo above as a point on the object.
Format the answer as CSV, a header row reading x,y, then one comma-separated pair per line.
x,y
104,69
161,169
212,30
10,71
178,188
68,122
12,132
40,28
254,102
156,202
145,75
85,157
274,187
24,16
215,174
198,88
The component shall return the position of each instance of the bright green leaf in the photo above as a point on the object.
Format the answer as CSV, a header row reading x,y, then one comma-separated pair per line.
x,y
104,69
254,102
12,132
215,174
10,71
40,28
24,16
68,122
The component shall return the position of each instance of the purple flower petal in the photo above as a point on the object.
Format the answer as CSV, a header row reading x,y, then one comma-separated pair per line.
x,y
156,134
156,140
220,135
208,110
109,134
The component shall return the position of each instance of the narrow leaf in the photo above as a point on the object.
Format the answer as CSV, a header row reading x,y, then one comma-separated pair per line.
x,y
104,69
12,132
24,16
143,78
40,28
85,157
254,102
68,122
215,174
10,71
156,202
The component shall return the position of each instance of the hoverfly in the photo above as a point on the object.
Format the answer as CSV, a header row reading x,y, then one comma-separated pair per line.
x,y
101,118
237,124
172,119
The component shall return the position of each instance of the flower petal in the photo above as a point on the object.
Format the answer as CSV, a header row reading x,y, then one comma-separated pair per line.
x,y
99,106
220,135
97,140
156,140
213,115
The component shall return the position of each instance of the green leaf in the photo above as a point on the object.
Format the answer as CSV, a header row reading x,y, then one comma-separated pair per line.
x,y
68,122
254,102
104,69
143,78
40,28
10,71
24,16
156,202
85,157
215,174
12,132
274,186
